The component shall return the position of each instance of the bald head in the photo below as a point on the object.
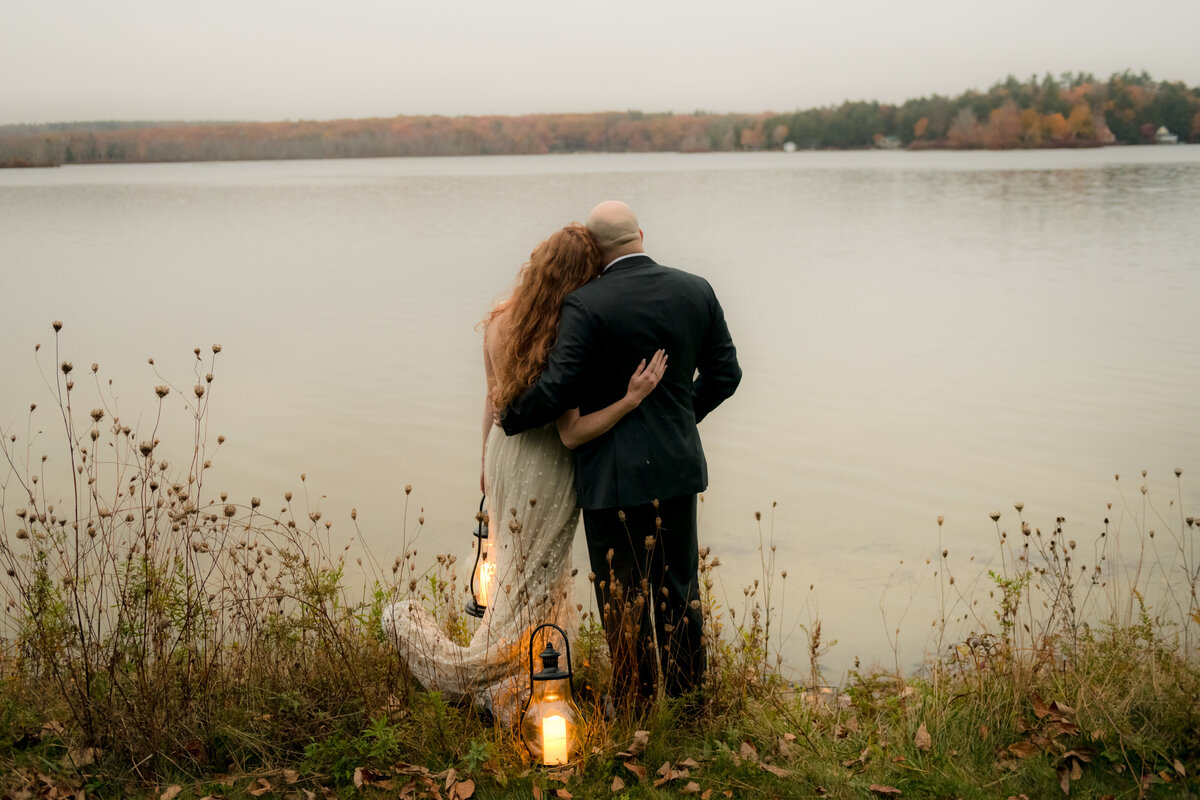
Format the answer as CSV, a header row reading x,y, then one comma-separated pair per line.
x,y
615,228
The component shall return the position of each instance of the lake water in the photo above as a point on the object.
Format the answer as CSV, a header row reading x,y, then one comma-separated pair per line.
x,y
922,334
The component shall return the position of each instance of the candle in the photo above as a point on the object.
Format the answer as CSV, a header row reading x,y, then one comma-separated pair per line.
x,y
554,740
486,570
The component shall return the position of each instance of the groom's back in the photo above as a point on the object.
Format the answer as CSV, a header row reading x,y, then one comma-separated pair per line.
x,y
635,308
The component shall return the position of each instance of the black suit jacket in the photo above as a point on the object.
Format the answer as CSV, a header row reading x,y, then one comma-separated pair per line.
x,y
607,327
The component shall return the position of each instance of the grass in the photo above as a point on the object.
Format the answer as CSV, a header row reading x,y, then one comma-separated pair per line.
x,y
162,640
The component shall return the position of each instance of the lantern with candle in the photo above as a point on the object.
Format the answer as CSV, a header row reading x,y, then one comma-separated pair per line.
x,y
483,575
549,722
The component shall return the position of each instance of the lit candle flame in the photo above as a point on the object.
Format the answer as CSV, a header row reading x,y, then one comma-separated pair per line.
x,y
487,571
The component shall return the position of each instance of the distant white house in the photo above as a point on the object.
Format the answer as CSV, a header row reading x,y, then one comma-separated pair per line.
x,y
887,142
1164,136
789,147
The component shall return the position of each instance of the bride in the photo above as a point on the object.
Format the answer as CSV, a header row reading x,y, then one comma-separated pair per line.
x,y
529,483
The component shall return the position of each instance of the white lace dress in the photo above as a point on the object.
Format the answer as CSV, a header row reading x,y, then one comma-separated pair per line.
x,y
532,512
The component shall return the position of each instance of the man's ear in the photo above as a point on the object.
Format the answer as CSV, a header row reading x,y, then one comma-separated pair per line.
x,y
642,234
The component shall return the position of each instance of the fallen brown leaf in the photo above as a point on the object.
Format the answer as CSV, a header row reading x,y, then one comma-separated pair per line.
x,y
358,778
1061,708
291,776
922,740
1040,709
689,763
537,792
983,733
778,772
691,788
787,749
617,784
1023,749
636,769
1178,765
263,785
638,746
748,752
1064,779
1076,771
462,790
707,794
171,793
885,791
74,759
563,794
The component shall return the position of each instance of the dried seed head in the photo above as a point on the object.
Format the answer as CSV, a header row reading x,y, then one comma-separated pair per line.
x,y
1178,472
621,516
199,390
230,509
995,515
95,434
66,367
220,440
97,414
287,496
146,448
315,516
408,488
650,542
1018,505
57,325
757,515
161,391
941,519
216,348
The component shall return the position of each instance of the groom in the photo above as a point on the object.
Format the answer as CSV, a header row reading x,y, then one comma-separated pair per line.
x,y
637,484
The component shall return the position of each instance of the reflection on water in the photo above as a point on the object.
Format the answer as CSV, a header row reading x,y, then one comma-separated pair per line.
x,y
922,334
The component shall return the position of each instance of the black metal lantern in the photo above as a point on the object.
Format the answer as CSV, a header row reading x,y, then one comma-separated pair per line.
x,y
483,574
548,723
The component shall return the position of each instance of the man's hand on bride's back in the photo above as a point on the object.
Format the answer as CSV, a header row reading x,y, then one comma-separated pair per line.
x,y
647,376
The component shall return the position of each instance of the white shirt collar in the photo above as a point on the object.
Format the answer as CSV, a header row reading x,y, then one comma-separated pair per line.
x,y
619,258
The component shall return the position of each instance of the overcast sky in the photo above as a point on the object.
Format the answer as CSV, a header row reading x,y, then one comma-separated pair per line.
x,y
304,59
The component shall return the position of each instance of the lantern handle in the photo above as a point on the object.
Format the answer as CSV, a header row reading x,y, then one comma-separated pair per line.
x,y
566,646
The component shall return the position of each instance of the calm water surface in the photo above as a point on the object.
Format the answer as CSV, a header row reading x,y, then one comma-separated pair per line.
x,y
922,334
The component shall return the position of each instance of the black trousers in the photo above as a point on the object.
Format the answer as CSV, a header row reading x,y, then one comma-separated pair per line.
x,y
645,561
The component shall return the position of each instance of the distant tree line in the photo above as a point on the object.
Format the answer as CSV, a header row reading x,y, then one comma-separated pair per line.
x,y
1072,110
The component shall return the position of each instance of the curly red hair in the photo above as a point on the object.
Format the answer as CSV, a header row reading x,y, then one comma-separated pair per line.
x,y
558,266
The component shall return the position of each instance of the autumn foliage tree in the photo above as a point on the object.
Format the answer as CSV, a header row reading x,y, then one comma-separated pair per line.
x,y
1072,110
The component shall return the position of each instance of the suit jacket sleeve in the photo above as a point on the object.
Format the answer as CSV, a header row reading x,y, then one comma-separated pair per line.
x,y
718,367
558,388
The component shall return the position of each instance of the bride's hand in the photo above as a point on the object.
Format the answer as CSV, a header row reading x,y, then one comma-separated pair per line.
x,y
647,376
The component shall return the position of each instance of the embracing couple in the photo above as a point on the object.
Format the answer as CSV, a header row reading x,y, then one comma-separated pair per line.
x,y
599,366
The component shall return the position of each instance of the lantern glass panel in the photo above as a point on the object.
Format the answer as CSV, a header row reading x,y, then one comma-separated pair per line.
x,y
485,574
549,724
